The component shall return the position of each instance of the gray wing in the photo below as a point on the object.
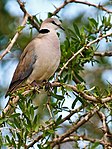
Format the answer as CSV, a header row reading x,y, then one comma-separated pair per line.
x,y
24,68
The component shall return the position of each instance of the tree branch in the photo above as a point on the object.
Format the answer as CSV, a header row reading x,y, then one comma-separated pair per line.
x,y
70,131
7,50
83,94
101,54
53,124
76,137
83,48
13,102
74,128
26,17
66,2
30,17
86,96
105,128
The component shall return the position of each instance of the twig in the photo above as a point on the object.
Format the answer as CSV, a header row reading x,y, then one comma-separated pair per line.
x,y
7,50
26,17
83,94
34,141
74,88
72,112
71,130
12,103
101,54
49,110
105,128
66,2
30,17
76,137
74,128
84,47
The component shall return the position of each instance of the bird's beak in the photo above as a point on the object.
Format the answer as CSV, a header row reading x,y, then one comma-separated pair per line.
x,y
61,27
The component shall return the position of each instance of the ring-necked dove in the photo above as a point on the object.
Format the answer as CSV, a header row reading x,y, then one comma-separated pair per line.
x,y
40,58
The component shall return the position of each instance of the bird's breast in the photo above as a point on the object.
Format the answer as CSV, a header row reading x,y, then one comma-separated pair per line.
x,y
48,59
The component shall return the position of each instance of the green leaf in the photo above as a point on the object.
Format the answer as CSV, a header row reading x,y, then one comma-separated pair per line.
x,y
109,19
76,30
15,115
96,144
74,103
36,122
50,131
17,123
78,98
18,135
2,120
49,15
58,120
93,22
8,139
72,33
13,142
32,111
67,43
81,87
59,97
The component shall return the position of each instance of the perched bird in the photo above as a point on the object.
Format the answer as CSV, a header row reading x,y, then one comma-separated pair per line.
x,y
40,58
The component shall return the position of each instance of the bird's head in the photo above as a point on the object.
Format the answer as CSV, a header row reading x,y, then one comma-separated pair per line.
x,y
51,24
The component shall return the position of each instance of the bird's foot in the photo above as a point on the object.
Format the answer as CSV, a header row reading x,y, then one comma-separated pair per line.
x,y
48,86
35,86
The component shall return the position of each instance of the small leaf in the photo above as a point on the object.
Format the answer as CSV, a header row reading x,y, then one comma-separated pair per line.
x,y
76,30
13,142
15,115
93,22
20,28
59,119
49,15
59,97
95,145
17,123
2,120
32,111
74,103
8,139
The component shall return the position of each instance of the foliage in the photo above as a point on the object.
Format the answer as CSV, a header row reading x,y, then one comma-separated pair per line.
x,y
77,107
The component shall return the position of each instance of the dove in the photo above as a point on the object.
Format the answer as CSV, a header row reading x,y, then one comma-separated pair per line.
x,y
41,57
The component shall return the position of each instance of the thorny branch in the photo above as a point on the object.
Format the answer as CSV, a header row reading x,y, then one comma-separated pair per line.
x,y
102,54
87,96
26,17
76,137
7,50
30,17
83,94
52,124
83,48
12,103
105,129
66,2
74,127
61,138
